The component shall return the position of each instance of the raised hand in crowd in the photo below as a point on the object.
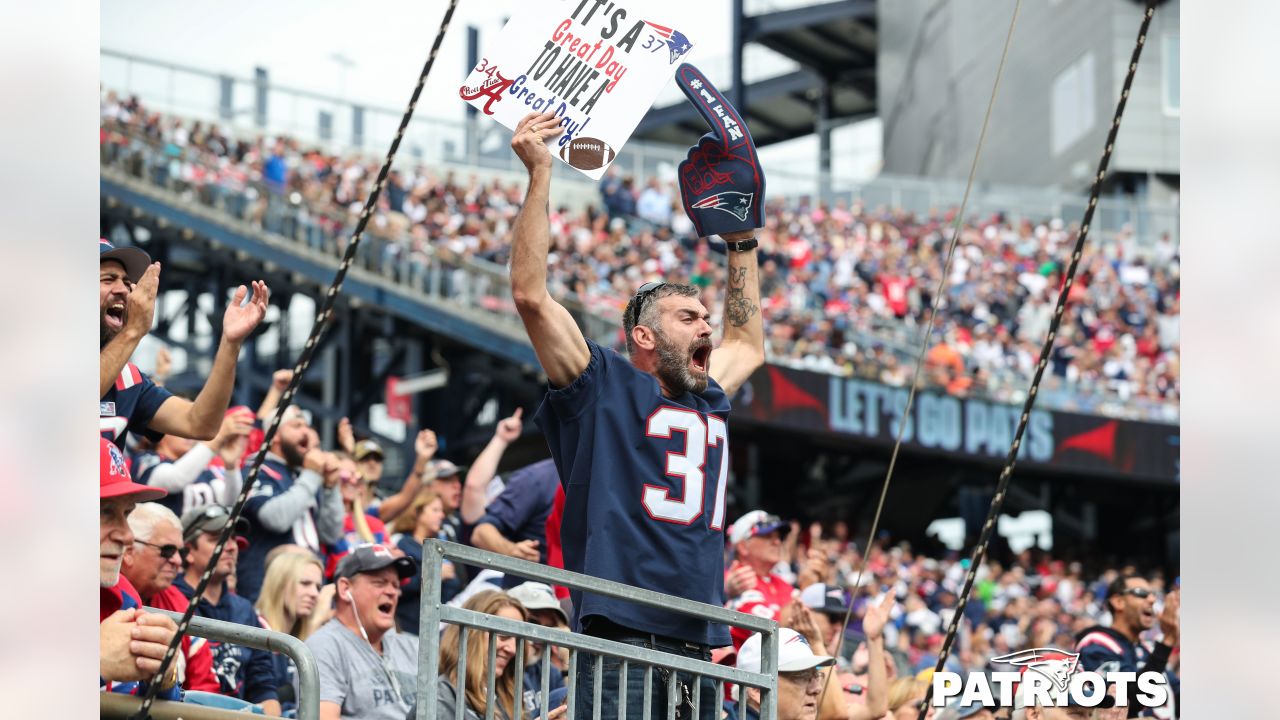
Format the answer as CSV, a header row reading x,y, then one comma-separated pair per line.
x,y
509,428
164,366
797,616
346,436
814,569
242,318
280,380
235,426
485,467
424,448
531,146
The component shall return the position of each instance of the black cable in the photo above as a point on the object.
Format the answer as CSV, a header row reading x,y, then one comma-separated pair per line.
x,y
323,317
997,502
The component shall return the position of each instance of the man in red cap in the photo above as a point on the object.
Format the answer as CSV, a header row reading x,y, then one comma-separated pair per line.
x,y
131,642
129,401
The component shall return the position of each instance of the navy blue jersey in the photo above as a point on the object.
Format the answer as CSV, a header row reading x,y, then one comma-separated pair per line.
x,y
274,478
209,488
644,478
520,511
129,406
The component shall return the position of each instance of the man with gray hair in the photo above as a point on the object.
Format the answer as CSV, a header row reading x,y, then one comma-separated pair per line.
x,y
152,563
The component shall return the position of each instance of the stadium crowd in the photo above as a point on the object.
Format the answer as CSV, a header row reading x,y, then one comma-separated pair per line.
x,y
319,555
845,288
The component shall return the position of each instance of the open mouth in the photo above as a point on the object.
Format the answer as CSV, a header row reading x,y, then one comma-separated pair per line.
x,y
386,608
114,316
700,357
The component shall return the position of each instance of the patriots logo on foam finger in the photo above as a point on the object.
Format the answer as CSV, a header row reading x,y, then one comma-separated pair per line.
x,y
735,203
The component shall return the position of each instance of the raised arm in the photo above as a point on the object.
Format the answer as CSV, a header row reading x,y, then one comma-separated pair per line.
x,y
201,419
557,341
485,467
742,350
722,188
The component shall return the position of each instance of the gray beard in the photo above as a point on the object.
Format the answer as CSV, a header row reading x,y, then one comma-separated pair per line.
x,y
673,367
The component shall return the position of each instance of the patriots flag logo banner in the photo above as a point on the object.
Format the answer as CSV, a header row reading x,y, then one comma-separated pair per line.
x,y
721,181
677,43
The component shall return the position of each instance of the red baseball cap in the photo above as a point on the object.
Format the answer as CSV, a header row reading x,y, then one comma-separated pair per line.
x,y
114,476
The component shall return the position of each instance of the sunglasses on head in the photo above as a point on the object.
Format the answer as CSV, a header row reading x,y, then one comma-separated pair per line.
x,y
641,296
166,551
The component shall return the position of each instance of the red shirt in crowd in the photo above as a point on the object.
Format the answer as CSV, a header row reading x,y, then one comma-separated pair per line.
x,y
765,600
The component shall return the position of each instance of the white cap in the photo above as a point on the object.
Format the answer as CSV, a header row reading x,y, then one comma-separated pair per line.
x,y
794,653
756,522
538,596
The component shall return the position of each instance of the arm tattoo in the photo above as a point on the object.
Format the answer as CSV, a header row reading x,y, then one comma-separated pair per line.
x,y
738,309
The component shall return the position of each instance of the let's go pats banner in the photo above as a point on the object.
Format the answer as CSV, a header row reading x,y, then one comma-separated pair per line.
x,y
598,64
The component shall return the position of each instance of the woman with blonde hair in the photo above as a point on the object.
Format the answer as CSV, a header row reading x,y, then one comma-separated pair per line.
x,y
288,603
905,694
290,591
420,521
472,689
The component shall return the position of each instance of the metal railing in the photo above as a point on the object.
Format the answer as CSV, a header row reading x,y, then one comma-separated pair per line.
x,y
435,552
262,639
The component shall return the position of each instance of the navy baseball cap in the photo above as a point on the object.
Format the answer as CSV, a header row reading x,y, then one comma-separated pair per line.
x,y
371,558
135,260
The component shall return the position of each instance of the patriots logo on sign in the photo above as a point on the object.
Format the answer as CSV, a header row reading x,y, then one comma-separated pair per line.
x,y
1056,665
735,203
677,43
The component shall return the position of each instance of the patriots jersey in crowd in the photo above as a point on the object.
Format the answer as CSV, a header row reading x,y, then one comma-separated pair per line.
x,y
274,478
129,406
1103,649
644,479
207,489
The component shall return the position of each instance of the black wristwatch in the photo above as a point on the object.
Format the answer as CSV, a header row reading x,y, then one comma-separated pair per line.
x,y
741,245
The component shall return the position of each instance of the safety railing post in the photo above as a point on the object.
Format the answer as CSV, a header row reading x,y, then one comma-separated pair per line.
x,y
769,667
429,631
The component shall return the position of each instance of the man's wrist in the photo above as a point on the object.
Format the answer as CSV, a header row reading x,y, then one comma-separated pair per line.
x,y
744,245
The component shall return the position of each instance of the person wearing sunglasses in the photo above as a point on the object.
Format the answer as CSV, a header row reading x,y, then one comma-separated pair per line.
x,y
641,444
1119,648
151,565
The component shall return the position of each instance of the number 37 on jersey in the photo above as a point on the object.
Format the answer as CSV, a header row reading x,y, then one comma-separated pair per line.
x,y
687,468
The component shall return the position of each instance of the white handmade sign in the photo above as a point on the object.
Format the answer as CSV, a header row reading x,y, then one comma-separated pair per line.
x,y
598,64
